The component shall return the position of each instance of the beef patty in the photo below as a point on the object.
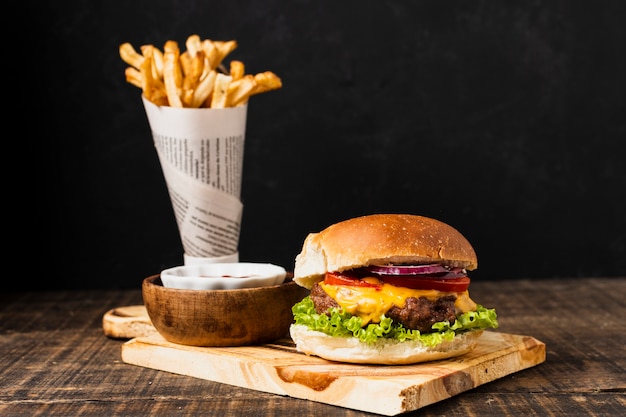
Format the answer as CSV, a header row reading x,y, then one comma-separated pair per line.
x,y
417,313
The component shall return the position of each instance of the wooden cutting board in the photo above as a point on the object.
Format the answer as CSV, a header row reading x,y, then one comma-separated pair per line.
x,y
383,389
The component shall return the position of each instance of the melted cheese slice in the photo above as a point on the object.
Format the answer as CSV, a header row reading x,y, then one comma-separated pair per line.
x,y
369,303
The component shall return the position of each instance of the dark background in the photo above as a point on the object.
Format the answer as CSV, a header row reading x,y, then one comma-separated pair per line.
x,y
504,119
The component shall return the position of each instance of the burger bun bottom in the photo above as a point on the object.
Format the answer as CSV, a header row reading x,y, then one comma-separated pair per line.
x,y
384,352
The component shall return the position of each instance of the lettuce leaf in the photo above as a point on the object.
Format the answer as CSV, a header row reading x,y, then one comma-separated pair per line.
x,y
342,324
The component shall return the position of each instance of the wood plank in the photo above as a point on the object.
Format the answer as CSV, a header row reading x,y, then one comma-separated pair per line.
x,y
127,322
389,390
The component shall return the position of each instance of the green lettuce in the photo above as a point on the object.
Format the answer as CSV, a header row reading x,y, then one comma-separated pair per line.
x,y
340,323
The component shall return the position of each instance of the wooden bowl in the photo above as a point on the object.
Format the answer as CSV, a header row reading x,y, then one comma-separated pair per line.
x,y
238,317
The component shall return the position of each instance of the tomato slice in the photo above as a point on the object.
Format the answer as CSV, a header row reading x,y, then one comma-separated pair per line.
x,y
406,281
338,278
411,281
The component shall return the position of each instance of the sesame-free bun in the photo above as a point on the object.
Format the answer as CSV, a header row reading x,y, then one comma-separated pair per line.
x,y
384,351
381,239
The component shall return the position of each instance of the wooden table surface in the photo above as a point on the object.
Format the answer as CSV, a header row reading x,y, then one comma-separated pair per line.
x,y
57,361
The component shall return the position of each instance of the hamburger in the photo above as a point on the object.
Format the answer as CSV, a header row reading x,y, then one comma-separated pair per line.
x,y
387,289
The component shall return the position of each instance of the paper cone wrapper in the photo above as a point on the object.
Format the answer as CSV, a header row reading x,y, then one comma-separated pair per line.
x,y
201,155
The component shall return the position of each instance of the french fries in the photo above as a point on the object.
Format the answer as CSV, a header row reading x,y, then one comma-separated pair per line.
x,y
195,77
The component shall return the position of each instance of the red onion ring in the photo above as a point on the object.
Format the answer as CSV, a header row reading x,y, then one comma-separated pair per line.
x,y
424,271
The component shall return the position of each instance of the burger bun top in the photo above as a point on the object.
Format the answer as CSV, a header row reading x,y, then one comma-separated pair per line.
x,y
380,239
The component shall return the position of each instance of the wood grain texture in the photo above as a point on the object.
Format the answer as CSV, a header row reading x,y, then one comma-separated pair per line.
x,y
388,390
127,322
57,362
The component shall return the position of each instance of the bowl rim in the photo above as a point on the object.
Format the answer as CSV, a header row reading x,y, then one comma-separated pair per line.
x,y
155,280
223,275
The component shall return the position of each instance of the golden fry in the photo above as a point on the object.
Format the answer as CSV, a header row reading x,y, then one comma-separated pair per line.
x,y
266,81
218,51
194,71
147,83
185,62
237,69
133,76
211,52
239,90
225,48
204,89
130,56
151,86
193,44
172,75
220,91
157,57
152,53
